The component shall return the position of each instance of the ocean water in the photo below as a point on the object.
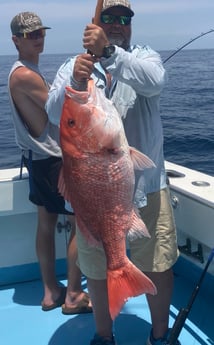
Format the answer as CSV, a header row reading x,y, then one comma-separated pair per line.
x,y
187,108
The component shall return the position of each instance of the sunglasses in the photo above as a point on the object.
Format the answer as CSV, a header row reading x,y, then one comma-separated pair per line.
x,y
111,19
34,35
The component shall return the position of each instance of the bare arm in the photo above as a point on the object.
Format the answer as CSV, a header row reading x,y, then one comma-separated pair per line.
x,y
30,93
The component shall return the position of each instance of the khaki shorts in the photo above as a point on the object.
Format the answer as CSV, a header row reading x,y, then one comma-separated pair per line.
x,y
155,254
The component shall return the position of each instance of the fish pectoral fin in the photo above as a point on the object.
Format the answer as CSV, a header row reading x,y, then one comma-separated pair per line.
x,y
140,160
62,187
138,228
124,283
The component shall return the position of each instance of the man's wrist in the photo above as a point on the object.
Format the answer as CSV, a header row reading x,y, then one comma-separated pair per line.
x,y
108,51
78,85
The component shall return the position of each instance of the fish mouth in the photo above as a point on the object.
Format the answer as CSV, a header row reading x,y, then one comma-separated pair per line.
x,y
79,97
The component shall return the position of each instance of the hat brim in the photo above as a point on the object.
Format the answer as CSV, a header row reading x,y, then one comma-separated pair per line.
x,y
128,10
36,28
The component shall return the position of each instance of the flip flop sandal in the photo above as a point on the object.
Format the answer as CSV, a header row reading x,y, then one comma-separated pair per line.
x,y
58,303
81,308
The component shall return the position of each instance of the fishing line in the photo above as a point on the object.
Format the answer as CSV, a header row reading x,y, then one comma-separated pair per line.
x,y
184,312
186,44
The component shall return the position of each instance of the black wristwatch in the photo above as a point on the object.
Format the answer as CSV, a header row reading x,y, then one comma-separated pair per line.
x,y
108,51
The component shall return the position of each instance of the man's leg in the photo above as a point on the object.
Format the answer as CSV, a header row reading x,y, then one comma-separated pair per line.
x,y
156,255
99,297
92,262
45,247
159,304
75,294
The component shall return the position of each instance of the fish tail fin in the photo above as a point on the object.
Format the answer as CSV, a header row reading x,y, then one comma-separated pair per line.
x,y
138,228
124,283
140,160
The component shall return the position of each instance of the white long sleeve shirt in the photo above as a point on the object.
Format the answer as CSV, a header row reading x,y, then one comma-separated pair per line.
x,y
138,77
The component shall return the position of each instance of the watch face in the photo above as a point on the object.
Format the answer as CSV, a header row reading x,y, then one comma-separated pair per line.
x,y
108,51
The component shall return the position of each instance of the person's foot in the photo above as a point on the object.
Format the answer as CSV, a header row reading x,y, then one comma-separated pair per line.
x,y
77,304
161,341
97,340
52,302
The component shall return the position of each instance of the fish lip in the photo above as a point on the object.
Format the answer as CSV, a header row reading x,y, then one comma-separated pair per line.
x,y
79,98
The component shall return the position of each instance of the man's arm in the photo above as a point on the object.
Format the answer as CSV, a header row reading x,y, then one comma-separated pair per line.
x,y
29,93
142,69
74,72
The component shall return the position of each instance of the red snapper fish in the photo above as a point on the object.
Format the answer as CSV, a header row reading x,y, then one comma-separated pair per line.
x,y
97,178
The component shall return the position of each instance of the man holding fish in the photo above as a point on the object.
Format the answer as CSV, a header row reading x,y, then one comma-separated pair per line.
x,y
132,77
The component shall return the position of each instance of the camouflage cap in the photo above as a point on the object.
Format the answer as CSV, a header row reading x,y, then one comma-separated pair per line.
x,y
26,22
121,3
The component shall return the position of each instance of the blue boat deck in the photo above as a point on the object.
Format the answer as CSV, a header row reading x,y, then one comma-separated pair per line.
x,y
23,321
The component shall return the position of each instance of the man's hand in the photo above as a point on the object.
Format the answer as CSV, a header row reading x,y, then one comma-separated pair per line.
x,y
83,67
94,39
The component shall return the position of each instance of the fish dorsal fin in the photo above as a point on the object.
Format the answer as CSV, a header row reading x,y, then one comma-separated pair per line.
x,y
140,160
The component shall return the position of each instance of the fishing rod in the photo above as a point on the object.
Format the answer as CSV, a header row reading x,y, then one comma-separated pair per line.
x,y
186,44
98,11
184,312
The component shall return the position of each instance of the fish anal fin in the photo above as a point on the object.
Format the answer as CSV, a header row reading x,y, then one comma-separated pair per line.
x,y
138,228
140,160
83,228
124,283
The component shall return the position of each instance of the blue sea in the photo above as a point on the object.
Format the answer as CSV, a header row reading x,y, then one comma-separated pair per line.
x,y
187,108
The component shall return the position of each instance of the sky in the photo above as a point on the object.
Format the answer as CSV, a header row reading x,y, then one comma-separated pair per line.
x,y
162,24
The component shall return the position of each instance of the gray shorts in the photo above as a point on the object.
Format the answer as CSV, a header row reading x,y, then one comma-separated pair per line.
x,y
155,254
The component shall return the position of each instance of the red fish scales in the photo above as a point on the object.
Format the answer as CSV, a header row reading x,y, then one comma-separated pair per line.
x,y
100,189
98,179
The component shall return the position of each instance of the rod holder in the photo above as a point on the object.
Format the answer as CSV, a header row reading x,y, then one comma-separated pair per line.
x,y
187,250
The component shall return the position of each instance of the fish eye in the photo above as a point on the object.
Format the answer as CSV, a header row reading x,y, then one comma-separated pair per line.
x,y
71,123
